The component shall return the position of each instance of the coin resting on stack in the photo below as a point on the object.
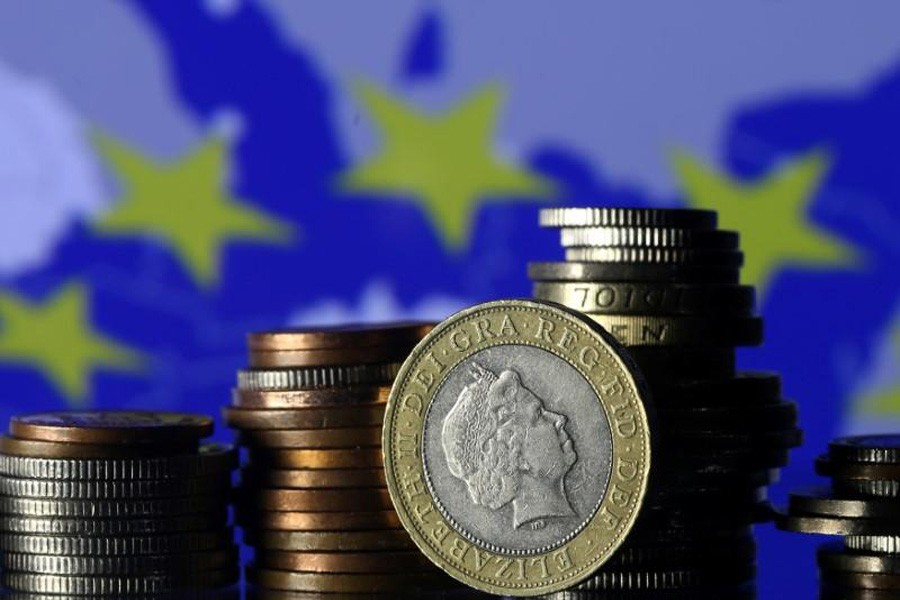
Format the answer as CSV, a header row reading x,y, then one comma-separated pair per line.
x,y
862,505
115,504
312,499
665,283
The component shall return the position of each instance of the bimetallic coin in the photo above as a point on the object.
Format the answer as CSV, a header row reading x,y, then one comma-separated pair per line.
x,y
343,458
654,237
316,377
633,330
304,418
112,427
346,562
105,509
355,520
355,437
170,564
324,398
649,273
340,338
657,256
117,586
216,484
345,582
313,478
329,541
211,458
878,449
116,546
648,298
627,217
115,527
478,385
319,500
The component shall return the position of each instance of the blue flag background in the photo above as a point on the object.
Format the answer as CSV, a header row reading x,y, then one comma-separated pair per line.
x,y
175,174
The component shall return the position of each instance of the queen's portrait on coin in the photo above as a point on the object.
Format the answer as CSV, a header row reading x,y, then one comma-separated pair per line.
x,y
500,439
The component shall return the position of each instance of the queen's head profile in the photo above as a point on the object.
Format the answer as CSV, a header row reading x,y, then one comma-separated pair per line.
x,y
500,439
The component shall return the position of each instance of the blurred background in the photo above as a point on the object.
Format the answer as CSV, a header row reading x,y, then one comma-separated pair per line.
x,y
175,174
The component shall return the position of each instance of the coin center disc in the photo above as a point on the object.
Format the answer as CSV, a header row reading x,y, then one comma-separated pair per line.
x,y
517,449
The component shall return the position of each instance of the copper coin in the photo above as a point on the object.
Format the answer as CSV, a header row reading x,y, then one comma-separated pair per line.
x,y
393,334
313,478
304,418
345,582
112,427
348,355
302,399
318,521
38,449
366,499
313,438
346,562
329,541
361,458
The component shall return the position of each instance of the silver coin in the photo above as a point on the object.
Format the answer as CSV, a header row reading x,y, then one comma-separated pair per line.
x,y
117,586
887,544
115,546
115,527
649,273
655,237
211,458
657,256
627,217
231,593
154,564
104,509
877,487
668,579
315,377
112,489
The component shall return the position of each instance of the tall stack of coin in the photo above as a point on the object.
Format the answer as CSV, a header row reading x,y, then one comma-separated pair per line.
x,y
115,504
312,499
665,283
863,505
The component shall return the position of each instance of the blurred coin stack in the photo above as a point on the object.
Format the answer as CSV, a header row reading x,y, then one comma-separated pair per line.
x,y
666,284
115,504
313,500
862,505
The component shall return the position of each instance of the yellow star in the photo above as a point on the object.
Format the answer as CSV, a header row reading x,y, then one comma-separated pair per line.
x,y
444,162
55,337
770,214
183,204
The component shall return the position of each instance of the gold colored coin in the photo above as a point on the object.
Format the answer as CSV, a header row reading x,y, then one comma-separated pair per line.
x,y
313,438
367,499
304,418
339,338
318,521
303,399
329,541
361,458
303,581
346,562
351,355
112,427
500,514
314,478
634,330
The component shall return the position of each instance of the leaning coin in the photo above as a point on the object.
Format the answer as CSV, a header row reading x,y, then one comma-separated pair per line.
x,y
318,500
329,541
648,237
116,586
346,562
318,521
304,418
345,582
322,398
112,427
359,458
878,449
633,330
316,377
170,564
104,509
340,338
651,273
115,527
355,437
313,478
834,557
115,546
113,489
211,458
11,446
483,379
648,298
657,256
627,217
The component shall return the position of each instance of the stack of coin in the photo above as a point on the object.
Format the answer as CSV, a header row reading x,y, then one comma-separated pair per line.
x,y
115,504
863,505
312,499
666,284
